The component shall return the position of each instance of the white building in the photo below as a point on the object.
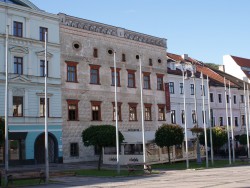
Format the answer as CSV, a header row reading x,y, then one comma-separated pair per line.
x,y
27,25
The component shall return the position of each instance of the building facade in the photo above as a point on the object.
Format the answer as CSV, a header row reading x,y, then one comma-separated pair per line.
x,y
26,63
87,69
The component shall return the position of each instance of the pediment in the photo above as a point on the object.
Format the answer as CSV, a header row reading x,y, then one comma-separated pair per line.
x,y
19,49
41,54
20,79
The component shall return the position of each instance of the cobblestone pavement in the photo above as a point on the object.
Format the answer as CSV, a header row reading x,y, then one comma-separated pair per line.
x,y
219,177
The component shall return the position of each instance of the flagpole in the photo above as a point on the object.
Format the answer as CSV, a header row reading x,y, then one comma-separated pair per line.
x,y
209,123
228,134
46,114
6,103
232,126
204,118
246,123
142,116
116,119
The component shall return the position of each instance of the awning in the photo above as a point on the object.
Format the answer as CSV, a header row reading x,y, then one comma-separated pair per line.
x,y
136,137
17,135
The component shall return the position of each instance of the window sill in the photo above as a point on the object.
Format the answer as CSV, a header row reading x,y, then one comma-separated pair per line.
x,y
132,87
72,120
161,120
118,120
96,120
148,120
160,89
95,83
72,82
147,88
133,120
116,86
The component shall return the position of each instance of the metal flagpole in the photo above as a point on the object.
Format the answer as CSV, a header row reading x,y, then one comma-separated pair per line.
x,y
204,118
228,135
6,103
142,117
248,114
185,125
209,123
246,123
46,114
232,126
116,119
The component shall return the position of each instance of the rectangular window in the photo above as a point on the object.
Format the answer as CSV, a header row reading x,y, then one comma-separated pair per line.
x,y
243,120
95,52
74,150
18,29
72,109
119,110
148,116
235,99
193,116
94,74
219,98
192,89
117,77
159,82
212,121
173,118
171,87
161,112
203,90
71,71
132,112
18,65
131,79
17,106
146,80
42,33
96,110
150,62
42,107
236,121
221,121
227,98
229,121
211,97
42,68
182,116
181,88
242,99
123,58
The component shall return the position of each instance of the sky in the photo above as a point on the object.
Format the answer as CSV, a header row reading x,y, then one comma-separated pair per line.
x,y
204,29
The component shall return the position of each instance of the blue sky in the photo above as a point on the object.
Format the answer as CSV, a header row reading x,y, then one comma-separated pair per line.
x,y
203,29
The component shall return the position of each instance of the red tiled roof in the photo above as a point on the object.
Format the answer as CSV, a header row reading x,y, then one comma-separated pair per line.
x,y
243,62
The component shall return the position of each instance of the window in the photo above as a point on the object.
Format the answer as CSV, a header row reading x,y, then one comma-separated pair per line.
x,y
203,117
243,120
74,150
94,74
235,99
213,121
219,98
18,65
203,90
146,80
161,112
42,68
181,88
221,121
133,149
148,116
171,87
123,58
17,106
193,116
159,81
229,121
42,33
72,109
42,107
211,97
192,89
227,98
132,112
242,98
173,118
119,111
71,71
150,62
96,110
182,116
236,121
18,29
95,52
131,78
117,77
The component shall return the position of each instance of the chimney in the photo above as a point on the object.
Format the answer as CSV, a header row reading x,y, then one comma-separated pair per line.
x,y
222,68
185,56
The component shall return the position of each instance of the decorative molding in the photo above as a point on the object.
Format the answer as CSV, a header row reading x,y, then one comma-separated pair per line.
x,y
110,30
76,58
41,54
20,78
42,94
18,91
19,49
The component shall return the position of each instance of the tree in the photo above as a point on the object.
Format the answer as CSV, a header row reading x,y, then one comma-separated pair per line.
x,y
212,65
100,136
243,139
219,135
169,135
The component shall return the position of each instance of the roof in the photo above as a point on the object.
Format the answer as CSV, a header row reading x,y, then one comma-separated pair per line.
x,y
243,62
24,3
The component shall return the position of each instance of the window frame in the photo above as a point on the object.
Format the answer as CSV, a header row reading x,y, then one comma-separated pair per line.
x,y
42,31
132,79
118,82
181,88
149,112
17,30
119,112
97,68
16,100
93,112
219,97
95,52
211,97
146,75
42,105
173,116
73,102
17,64
192,89
74,153
171,87
133,111
71,64
160,85
161,109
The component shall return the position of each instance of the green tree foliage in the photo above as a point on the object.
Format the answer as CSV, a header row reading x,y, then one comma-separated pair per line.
x,y
101,136
169,135
243,139
219,136
212,65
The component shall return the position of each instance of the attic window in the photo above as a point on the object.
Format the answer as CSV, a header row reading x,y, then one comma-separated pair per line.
x,y
150,62
110,51
159,60
137,56
76,45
